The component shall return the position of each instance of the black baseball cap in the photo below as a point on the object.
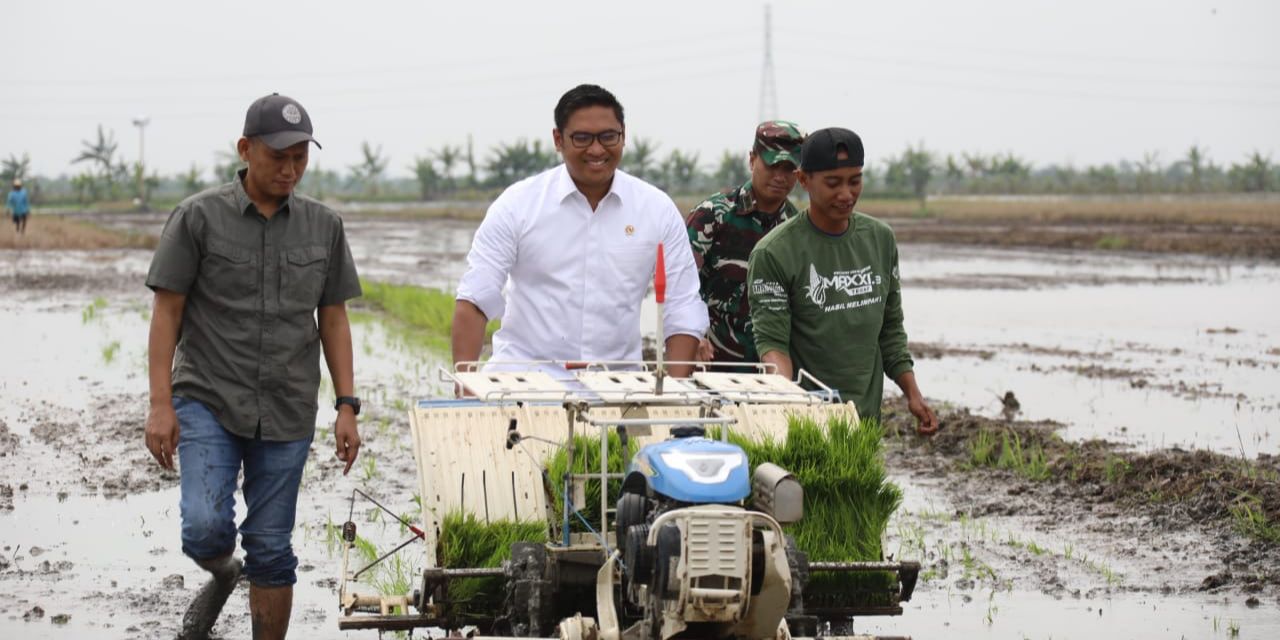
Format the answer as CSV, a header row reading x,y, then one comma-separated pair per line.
x,y
821,147
279,121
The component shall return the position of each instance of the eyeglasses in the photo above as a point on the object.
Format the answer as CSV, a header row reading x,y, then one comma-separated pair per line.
x,y
582,139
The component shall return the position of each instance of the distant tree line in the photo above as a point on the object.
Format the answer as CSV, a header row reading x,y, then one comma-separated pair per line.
x,y
456,172
918,172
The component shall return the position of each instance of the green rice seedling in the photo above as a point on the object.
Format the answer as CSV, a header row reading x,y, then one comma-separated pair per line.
x,y
1252,521
332,535
848,497
366,549
586,458
369,466
425,316
90,313
1115,468
466,542
109,351
982,449
393,576
966,558
1112,243
1036,466
1031,463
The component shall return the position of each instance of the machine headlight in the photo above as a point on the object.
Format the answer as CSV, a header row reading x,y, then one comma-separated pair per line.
x,y
705,468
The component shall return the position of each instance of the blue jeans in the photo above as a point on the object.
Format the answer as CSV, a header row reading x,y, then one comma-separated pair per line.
x,y
209,459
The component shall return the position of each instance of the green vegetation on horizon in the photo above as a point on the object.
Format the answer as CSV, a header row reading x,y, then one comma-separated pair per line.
x,y
452,172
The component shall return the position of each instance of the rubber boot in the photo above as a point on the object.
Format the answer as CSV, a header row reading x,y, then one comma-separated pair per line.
x,y
203,611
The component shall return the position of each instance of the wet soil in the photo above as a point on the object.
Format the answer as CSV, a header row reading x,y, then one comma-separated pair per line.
x,y
1171,516
90,523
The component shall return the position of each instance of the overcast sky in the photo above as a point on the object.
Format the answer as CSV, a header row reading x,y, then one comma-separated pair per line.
x,y
1080,82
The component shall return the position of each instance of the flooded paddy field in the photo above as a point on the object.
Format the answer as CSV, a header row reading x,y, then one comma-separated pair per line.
x,y
1155,353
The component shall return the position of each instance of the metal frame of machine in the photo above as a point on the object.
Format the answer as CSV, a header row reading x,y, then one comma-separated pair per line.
x,y
485,440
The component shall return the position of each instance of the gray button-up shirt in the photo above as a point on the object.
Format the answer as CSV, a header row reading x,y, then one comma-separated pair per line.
x,y
249,347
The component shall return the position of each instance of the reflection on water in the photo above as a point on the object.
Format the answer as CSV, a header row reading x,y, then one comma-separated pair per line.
x,y
1162,351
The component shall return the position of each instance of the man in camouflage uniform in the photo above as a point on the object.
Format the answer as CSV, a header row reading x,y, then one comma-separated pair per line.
x,y
726,226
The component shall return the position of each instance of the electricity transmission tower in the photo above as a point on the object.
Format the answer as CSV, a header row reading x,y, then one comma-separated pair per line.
x,y
768,88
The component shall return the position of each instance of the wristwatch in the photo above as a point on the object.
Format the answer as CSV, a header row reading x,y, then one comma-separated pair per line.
x,y
350,401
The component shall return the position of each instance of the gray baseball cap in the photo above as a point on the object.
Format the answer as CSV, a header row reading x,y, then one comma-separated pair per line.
x,y
279,121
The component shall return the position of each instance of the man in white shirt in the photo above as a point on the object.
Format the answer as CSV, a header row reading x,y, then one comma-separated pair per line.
x,y
575,247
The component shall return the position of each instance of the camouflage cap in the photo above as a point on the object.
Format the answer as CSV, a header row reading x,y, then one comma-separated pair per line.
x,y
779,141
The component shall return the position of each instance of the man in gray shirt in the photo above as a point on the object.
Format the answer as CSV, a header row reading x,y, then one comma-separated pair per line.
x,y
241,275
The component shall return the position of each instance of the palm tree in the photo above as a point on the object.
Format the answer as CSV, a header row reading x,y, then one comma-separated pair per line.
x,y
1195,163
14,168
518,160
473,174
732,171
102,153
1148,172
1254,174
191,182
639,159
919,166
448,157
370,169
428,180
226,163
680,170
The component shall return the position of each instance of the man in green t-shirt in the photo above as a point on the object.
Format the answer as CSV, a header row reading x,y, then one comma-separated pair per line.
x,y
824,289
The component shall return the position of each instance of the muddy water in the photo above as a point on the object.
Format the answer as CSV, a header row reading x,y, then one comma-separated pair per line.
x,y
1158,351
1154,351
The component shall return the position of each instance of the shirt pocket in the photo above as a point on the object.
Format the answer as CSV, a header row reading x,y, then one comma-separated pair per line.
x,y
629,271
302,278
229,274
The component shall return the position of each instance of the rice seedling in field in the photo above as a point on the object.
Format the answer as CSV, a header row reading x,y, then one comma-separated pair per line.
x,y
982,448
1253,522
424,316
1007,452
109,352
90,312
1115,468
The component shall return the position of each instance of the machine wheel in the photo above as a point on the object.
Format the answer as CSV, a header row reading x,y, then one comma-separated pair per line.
x,y
798,562
632,509
637,556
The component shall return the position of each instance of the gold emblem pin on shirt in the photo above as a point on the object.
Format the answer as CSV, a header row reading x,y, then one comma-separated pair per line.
x,y
630,230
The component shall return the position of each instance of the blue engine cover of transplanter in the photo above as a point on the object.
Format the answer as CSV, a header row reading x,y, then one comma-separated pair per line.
x,y
695,470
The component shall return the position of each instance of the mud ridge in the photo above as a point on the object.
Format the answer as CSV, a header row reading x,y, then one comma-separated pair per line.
x,y
1122,492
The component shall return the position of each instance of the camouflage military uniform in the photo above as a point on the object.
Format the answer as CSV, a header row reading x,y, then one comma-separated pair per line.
x,y
723,230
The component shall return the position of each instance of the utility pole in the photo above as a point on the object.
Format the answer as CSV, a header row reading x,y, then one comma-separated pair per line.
x,y
141,123
768,88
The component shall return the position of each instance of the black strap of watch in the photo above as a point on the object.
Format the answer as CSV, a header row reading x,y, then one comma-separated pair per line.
x,y
350,401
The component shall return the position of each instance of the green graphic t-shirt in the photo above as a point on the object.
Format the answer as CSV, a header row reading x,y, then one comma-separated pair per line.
x,y
833,303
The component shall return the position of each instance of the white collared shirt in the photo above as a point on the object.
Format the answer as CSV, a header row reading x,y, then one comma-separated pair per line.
x,y
575,278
